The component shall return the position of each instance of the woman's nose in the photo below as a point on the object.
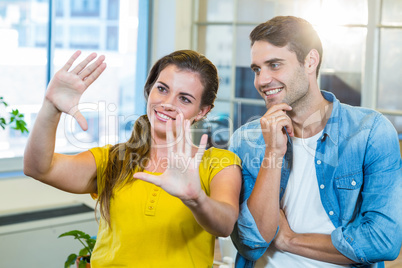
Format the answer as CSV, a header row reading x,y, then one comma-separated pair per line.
x,y
168,107
168,103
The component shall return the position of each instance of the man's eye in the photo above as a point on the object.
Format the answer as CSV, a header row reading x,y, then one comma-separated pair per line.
x,y
256,70
275,65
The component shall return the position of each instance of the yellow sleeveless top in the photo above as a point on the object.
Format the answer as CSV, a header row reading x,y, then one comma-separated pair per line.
x,y
149,227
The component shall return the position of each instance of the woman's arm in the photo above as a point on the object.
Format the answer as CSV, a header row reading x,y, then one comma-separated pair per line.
x,y
72,173
218,213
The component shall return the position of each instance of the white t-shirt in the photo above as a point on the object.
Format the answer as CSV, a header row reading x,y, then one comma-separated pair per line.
x,y
303,208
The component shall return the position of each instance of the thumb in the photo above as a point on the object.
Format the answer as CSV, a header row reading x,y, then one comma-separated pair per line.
x,y
78,117
147,177
81,120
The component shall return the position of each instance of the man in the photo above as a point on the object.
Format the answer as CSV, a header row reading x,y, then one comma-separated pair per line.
x,y
322,180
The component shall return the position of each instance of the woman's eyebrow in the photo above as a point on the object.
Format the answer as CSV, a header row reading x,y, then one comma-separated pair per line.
x,y
164,84
181,93
187,94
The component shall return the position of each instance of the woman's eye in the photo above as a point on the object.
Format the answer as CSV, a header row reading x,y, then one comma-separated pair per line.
x,y
185,100
161,89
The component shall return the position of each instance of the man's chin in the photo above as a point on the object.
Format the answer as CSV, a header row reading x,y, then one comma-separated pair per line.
x,y
270,103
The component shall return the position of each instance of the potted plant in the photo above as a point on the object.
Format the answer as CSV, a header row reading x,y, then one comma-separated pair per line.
x,y
83,258
16,119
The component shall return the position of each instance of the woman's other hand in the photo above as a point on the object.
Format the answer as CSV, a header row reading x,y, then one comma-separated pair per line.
x,y
66,87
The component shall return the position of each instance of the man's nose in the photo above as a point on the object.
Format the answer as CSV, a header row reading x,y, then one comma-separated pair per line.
x,y
265,78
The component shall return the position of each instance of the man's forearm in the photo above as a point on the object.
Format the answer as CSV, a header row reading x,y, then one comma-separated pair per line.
x,y
263,202
315,246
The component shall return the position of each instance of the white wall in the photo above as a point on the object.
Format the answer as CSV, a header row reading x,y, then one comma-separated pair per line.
x,y
171,27
35,243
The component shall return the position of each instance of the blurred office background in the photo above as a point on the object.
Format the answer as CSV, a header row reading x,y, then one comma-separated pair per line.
x,y
362,42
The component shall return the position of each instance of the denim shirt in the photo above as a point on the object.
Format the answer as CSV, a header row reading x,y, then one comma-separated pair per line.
x,y
358,167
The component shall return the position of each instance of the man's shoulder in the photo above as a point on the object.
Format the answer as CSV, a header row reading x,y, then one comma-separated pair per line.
x,y
365,122
247,135
250,131
255,124
359,116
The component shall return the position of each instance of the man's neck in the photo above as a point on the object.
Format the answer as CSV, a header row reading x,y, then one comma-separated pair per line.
x,y
308,120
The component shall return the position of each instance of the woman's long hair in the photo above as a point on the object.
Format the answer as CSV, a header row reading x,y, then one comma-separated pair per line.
x,y
133,155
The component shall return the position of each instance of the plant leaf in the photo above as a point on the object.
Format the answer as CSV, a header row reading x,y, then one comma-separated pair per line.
x,y
84,252
91,243
3,102
70,260
82,264
77,234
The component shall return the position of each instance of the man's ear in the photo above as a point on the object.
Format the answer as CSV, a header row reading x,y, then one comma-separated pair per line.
x,y
311,61
203,111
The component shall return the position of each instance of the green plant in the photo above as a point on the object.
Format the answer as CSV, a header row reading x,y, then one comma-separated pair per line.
x,y
87,241
16,119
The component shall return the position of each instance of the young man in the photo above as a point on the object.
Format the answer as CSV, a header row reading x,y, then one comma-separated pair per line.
x,y
322,180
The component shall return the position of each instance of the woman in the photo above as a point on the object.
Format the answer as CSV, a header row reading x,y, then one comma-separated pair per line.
x,y
162,200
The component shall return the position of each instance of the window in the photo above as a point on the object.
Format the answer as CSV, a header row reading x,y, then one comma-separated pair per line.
x,y
111,104
368,36
85,8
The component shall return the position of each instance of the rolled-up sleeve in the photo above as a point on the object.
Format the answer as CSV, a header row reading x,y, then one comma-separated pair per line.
x,y
246,236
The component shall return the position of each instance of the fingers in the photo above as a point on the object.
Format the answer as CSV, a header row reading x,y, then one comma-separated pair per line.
x,y
92,72
180,139
188,145
148,178
277,122
86,73
169,137
70,62
201,149
203,143
276,117
78,69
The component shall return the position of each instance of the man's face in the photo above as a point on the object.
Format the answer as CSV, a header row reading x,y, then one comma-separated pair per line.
x,y
279,76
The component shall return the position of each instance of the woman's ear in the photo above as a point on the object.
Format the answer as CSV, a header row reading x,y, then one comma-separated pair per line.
x,y
311,61
203,111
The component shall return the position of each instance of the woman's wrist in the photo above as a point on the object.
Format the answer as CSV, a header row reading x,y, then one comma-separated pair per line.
x,y
50,108
196,201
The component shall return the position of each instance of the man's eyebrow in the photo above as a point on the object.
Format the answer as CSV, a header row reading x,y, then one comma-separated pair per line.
x,y
267,62
252,66
273,60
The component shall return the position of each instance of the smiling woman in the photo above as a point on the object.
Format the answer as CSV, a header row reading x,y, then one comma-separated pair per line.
x,y
176,91
157,186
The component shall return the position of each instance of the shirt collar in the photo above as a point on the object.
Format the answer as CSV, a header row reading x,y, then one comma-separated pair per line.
x,y
331,129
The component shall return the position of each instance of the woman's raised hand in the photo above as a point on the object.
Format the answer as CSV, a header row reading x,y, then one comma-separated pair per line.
x,y
181,177
66,87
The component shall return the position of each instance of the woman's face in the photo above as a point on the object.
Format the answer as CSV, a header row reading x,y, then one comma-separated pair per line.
x,y
175,91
